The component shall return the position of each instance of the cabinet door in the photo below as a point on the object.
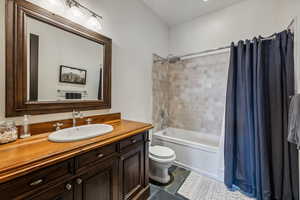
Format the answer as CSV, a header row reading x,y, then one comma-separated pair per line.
x,y
132,172
99,182
61,192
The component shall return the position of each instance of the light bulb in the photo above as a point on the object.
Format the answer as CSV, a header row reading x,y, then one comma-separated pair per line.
x,y
94,23
55,2
55,6
76,11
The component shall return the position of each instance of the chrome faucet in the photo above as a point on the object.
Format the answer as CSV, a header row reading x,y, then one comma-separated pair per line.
x,y
76,114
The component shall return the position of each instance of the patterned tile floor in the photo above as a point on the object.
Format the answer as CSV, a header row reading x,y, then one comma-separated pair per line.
x,y
169,192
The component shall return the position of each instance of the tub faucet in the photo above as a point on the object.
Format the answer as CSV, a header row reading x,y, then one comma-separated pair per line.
x,y
75,115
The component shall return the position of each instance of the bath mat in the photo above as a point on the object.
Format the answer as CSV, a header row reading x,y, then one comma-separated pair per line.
x,y
199,187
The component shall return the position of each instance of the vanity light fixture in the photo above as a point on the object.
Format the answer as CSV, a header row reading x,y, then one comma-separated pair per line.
x,y
95,20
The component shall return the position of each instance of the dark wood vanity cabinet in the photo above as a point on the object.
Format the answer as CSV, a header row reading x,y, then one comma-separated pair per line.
x,y
116,171
100,182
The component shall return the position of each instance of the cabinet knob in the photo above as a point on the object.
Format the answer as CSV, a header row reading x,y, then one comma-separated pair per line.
x,y
100,155
69,187
133,141
79,181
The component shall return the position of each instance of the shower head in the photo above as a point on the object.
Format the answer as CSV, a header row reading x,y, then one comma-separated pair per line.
x,y
174,59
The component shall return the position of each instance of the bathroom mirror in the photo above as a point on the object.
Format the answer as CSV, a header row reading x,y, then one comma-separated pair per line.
x,y
61,65
53,64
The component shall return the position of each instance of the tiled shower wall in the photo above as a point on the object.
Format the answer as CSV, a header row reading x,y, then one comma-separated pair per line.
x,y
160,88
191,94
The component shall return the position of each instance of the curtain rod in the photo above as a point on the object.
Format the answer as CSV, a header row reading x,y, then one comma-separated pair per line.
x,y
159,58
203,52
291,24
174,59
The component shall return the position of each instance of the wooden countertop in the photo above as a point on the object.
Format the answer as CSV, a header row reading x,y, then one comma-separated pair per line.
x,y
24,156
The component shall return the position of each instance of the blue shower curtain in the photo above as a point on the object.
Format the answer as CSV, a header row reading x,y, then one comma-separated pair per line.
x,y
258,159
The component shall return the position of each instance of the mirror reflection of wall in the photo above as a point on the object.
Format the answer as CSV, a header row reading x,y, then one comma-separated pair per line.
x,y
62,65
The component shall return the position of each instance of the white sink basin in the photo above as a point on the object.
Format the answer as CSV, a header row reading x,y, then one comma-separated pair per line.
x,y
80,133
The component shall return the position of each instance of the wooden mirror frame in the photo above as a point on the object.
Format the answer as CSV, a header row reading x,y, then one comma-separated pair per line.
x,y
17,104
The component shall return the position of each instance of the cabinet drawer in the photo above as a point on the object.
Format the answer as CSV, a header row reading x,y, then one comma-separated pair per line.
x,y
95,155
130,141
62,191
36,179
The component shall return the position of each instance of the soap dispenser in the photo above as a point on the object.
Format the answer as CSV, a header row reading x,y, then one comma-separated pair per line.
x,y
26,132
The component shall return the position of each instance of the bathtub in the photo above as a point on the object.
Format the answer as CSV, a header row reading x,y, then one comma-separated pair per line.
x,y
196,151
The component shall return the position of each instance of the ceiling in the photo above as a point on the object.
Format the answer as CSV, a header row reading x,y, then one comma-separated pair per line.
x,y
179,11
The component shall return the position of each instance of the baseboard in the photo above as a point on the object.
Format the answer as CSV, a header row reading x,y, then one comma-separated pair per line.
x,y
205,173
144,194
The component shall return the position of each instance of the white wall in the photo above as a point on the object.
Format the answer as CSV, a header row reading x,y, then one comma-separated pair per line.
x,y
136,33
238,22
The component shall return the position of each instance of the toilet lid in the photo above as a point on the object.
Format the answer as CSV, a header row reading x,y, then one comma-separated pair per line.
x,y
161,152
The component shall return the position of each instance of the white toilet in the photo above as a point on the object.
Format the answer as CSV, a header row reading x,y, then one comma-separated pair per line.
x,y
161,158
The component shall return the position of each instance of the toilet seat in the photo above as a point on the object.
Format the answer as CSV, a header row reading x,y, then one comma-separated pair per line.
x,y
161,154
